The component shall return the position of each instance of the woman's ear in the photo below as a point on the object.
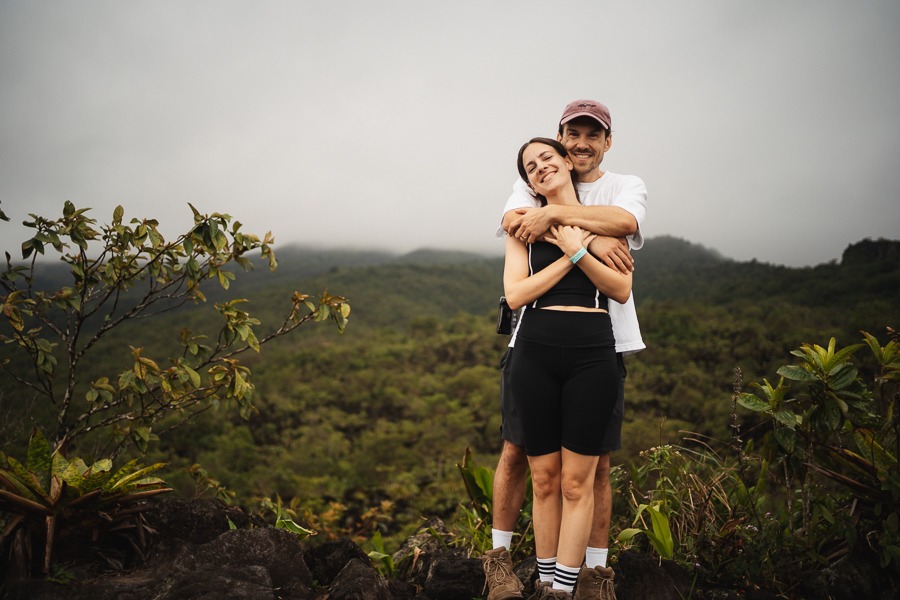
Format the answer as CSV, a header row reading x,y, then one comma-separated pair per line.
x,y
569,164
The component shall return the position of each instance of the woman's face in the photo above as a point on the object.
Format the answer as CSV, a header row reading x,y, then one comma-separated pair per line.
x,y
547,171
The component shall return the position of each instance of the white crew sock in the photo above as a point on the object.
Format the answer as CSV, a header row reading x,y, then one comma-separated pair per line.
x,y
501,538
595,557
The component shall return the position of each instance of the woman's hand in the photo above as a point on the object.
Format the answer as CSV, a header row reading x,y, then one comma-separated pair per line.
x,y
570,239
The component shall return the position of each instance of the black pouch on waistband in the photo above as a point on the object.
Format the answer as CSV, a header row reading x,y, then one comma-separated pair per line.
x,y
505,317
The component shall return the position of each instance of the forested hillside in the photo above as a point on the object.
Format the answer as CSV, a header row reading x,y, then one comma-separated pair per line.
x,y
365,427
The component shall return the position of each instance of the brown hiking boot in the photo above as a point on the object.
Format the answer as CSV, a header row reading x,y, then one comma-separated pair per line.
x,y
595,584
499,578
548,593
539,589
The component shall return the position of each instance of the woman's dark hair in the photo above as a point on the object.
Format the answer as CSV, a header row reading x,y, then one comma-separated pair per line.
x,y
555,144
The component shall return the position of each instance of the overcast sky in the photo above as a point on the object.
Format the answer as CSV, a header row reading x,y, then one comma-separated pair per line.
x,y
766,130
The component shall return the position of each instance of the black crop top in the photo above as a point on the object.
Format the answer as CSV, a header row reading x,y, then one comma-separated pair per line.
x,y
574,289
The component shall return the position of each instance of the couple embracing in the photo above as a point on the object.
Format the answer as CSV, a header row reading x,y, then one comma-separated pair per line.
x,y
568,267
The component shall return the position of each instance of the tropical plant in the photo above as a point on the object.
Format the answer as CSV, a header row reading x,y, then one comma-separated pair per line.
x,y
828,425
383,561
284,517
51,493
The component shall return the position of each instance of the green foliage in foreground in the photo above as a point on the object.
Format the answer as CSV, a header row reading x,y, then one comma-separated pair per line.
x,y
828,423
51,495
117,273
818,480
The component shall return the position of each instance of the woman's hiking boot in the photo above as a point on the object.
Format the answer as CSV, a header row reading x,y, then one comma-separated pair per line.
x,y
548,593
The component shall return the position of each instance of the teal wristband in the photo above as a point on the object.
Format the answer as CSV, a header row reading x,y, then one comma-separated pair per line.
x,y
577,256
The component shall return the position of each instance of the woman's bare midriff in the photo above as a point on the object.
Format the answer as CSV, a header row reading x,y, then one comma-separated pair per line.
x,y
574,309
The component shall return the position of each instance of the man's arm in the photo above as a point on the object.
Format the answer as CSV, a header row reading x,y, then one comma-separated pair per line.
x,y
529,224
611,223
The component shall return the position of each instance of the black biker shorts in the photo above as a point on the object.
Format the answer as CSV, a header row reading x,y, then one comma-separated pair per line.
x,y
564,378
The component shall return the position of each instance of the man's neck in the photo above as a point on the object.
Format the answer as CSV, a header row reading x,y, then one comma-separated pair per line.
x,y
591,177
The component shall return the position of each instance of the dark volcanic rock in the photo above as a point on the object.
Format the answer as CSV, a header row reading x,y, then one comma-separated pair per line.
x,y
640,576
853,577
196,521
359,581
328,560
194,554
239,564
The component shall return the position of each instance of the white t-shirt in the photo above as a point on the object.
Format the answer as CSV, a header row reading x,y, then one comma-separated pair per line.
x,y
627,192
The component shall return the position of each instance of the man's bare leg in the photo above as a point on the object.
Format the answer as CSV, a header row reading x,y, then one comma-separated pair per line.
x,y
509,491
598,542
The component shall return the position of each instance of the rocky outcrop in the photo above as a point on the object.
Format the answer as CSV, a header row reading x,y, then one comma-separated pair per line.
x,y
196,554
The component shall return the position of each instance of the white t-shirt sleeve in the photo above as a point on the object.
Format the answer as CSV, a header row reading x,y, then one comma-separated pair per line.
x,y
521,197
632,196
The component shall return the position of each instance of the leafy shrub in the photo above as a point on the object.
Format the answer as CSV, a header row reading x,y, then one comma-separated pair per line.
x,y
122,272
51,493
831,445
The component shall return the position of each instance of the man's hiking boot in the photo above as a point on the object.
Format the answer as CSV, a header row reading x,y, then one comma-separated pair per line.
x,y
499,578
595,584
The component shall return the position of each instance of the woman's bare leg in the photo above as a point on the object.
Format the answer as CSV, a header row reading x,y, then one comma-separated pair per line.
x,y
547,509
577,490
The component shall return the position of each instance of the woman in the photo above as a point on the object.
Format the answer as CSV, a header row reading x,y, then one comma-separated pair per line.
x,y
563,372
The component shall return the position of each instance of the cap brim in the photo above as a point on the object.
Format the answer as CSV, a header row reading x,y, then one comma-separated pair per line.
x,y
584,114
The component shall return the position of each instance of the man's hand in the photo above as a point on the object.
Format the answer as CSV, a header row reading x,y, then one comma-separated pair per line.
x,y
613,252
530,224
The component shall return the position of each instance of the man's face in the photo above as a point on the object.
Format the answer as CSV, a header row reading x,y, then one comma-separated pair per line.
x,y
587,142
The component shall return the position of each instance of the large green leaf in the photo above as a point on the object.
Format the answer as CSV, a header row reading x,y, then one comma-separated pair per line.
x,y
31,487
788,418
132,480
786,438
752,402
16,486
842,376
626,535
842,355
795,373
97,476
662,533
825,418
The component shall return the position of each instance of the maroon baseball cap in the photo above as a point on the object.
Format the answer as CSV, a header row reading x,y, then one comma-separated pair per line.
x,y
587,108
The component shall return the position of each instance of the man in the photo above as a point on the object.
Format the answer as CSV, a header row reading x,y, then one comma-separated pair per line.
x,y
613,206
